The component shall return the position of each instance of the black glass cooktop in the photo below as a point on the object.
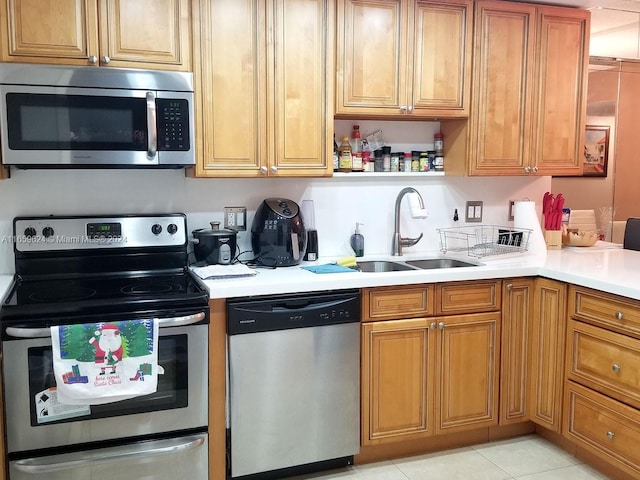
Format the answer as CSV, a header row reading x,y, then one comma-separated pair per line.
x,y
103,294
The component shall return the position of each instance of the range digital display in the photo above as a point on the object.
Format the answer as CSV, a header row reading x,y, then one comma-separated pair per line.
x,y
104,230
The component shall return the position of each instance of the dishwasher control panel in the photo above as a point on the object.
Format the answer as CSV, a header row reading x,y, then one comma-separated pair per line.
x,y
282,312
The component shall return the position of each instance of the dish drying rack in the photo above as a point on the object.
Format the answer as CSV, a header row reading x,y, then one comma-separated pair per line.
x,y
484,240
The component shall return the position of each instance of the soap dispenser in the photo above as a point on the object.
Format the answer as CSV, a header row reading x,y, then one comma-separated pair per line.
x,y
357,241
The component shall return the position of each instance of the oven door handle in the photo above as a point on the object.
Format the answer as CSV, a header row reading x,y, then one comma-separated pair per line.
x,y
21,332
114,454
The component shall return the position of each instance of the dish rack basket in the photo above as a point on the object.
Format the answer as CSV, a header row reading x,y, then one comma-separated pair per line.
x,y
484,240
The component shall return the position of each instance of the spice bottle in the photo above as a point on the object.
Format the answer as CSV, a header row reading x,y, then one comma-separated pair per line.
x,y
346,160
406,165
438,143
357,166
394,163
386,159
415,161
336,157
377,161
424,162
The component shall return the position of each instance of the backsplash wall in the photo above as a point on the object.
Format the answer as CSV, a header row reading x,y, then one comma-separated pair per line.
x,y
339,202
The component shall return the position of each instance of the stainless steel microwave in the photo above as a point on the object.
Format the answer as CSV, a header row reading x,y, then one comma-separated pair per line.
x,y
92,117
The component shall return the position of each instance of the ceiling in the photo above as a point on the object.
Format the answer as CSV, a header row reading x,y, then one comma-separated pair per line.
x,y
615,26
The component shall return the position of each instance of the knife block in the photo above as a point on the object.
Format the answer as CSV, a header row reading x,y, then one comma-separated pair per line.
x,y
553,239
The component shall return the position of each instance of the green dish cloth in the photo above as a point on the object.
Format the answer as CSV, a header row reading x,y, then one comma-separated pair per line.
x,y
328,268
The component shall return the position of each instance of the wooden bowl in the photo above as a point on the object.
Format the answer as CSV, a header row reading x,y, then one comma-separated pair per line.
x,y
573,238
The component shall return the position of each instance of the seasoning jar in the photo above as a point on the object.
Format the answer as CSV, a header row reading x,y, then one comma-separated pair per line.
x,y
378,162
357,162
406,165
438,163
395,162
415,161
424,162
367,164
386,159
438,143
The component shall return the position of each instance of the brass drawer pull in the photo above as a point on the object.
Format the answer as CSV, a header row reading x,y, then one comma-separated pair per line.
x,y
619,315
616,368
610,435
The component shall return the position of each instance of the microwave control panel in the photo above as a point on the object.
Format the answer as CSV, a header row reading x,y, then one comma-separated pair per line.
x,y
173,124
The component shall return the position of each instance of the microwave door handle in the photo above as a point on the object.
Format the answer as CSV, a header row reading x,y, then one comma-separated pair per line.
x,y
20,332
117,454
152,144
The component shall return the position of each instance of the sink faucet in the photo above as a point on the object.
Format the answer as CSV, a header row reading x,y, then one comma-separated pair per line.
x,y
417,211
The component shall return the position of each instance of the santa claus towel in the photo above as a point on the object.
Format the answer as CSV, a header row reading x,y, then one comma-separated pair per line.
x,y
96,363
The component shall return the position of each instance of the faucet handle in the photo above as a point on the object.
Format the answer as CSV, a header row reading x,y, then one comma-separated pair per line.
x,y
410,242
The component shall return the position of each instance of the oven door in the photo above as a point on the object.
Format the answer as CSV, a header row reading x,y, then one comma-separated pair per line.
x,y
180,402
166,459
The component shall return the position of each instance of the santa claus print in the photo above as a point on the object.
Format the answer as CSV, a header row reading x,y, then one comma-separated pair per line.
x,y
108,347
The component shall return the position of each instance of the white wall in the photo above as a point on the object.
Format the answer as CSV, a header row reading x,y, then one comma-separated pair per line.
x,y
339,202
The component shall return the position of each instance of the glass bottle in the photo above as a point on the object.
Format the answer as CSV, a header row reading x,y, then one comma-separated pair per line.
x,y
356,142
346,160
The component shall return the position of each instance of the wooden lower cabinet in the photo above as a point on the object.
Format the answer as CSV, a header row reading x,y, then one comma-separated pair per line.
x,y
547,346
468,353
427,376
517,301
398,371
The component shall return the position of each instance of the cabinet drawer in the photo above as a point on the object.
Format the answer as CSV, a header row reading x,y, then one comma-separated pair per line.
x,y
468,297
389,303
607,428
605,361
609,311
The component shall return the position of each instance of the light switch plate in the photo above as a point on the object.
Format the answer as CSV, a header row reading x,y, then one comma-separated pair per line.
x,y
473,212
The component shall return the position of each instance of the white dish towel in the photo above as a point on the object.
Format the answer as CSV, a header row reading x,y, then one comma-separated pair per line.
x,y
96,363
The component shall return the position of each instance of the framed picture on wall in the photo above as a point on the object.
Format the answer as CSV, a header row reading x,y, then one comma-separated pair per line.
x,y
596,151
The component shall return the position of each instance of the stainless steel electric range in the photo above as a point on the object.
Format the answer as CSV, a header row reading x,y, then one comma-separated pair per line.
x,y
104,269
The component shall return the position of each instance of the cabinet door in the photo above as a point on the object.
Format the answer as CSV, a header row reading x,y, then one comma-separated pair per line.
x,y
500,120
302,81
517,300
231,88
441,59
397,380
561,81
49,31
145,34
468,364
371,57
548,327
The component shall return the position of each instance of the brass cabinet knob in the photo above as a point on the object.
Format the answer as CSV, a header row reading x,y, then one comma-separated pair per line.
x,y
610,435
92,59
105,59
263,170
616,368
619,315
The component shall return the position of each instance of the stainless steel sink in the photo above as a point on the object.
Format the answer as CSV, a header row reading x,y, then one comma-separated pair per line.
x,y
430,263
383,266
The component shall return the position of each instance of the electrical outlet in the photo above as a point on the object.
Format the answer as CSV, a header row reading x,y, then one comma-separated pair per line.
x,y
235,218
473,212
511,205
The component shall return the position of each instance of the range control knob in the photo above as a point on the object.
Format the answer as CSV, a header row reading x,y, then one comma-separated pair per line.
x,y
172,228
47,232
156,229
30,232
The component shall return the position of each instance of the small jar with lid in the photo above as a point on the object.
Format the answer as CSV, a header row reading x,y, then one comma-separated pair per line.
x,y
424,162
357,162
386,159
367,162
415,161
395,162
438,143
378,162
406,163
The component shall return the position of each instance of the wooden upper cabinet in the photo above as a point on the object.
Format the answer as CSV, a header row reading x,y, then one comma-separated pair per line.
x,y
264,101
529,82
131,33
561,83
403,58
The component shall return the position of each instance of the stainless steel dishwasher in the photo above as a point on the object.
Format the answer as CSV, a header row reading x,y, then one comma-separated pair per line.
x,y
294,376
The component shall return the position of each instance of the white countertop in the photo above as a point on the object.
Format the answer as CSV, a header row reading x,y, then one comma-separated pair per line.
x,y
604,267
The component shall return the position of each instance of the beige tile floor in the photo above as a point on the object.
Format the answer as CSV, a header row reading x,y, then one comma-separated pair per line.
x,y
523,458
